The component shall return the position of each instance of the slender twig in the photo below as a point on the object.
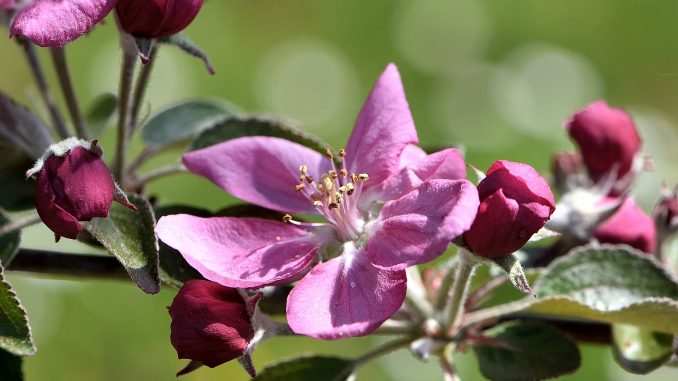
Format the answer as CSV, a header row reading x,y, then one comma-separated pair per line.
x,y
20,224
449,373
396,327
462,281
416,294
156,174
381,351
78,265
140,160
61,66
446,284
129,60
47,97
140,88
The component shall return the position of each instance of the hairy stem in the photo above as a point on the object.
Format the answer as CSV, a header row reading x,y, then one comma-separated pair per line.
x,y
140,89
381,351
449,373
156,174
61,66
62,264
39,74
457,296
446,284
416,294
19,224
129,60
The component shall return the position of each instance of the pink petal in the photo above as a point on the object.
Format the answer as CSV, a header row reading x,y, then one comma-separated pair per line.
x,y
51,23
239,252
630,225
518,181
383,129
415,169
261,170
7,4
345,297
419,226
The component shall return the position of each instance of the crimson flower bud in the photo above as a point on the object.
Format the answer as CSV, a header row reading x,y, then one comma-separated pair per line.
x,y
607,138
631,226
7,4
515,202
72,185
211,323
156,18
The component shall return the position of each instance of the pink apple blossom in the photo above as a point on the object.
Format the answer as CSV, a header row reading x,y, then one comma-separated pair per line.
x,y
51,23
388,205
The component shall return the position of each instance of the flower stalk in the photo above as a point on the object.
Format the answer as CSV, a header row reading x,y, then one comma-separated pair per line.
x,y
39,74
457,295
61,66
140,89
129,57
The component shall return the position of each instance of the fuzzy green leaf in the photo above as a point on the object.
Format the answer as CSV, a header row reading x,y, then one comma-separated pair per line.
x,y
512,267
310,368
100,113
184,121
639,350
252,126
130,236
15,333
527,351
612,284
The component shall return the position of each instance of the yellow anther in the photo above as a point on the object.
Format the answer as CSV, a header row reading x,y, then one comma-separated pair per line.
x,y
343,189
342,152
287,218
333,174
334,205
354,178
299,187
317,204
338,198
327,182
329,154
349,188
320,188
302,177
343,172
363,177
303,169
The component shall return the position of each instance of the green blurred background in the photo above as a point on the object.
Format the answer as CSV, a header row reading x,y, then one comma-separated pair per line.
x,y
498,77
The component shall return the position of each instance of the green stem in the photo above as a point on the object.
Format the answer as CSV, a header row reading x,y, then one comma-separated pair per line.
x,y
19,224
381,351
446,284
140,89
462,281
416,294
129,60
156,174
47,97
61,66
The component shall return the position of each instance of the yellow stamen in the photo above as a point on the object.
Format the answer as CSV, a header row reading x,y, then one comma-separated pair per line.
x,y
299,187
287,218
342,152
363,177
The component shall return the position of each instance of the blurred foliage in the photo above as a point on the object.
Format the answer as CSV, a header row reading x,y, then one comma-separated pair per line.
x,y
499,77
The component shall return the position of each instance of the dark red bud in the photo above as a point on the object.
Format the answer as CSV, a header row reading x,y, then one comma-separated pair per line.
x,y
72,188
631,226
607,138
210,323
156,18
515,202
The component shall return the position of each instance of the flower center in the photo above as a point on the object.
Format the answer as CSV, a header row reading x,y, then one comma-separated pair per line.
x,y
335,195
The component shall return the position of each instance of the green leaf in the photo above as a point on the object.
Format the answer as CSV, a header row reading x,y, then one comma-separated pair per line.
x,y
15,333
10,367
183,121
184,43
174,270
309,368
527,351
145,47
129,235
507,292
608,283
9,243
100,113
22,129
252,126
511,265
639,350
